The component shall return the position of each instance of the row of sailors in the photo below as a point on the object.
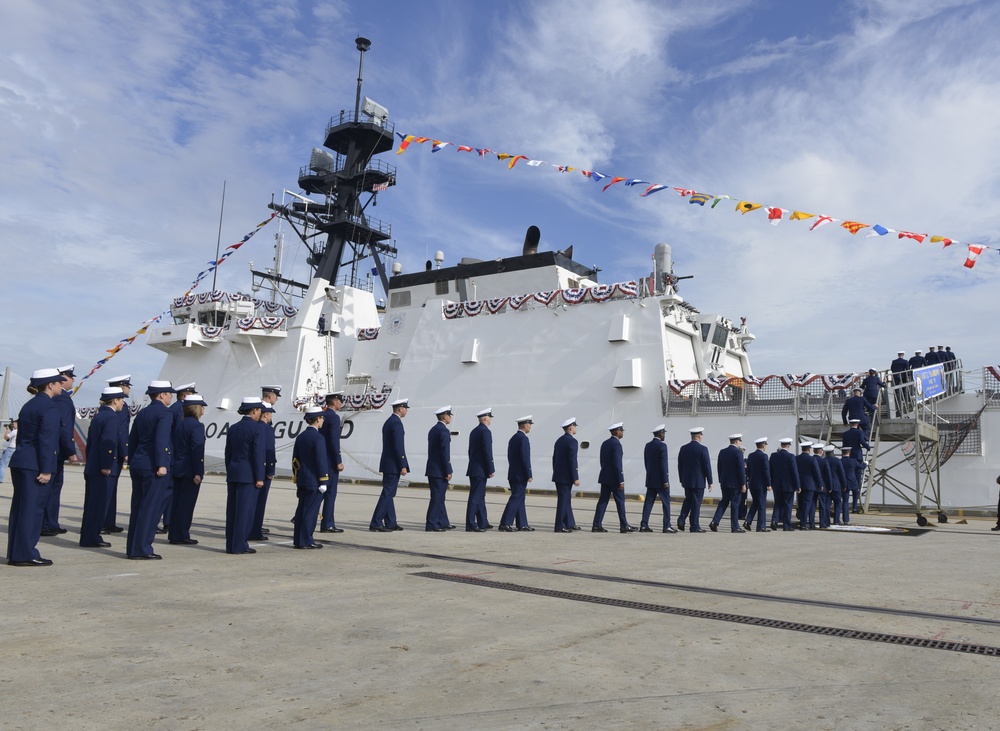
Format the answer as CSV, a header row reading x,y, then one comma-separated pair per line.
x,y
165,452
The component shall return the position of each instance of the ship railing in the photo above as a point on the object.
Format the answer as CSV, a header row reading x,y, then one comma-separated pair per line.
x,y
815,400
904,402
991,387
347,115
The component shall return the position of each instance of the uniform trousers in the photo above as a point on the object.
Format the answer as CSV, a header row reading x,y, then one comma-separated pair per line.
x,y
259,508
730,499
652,494
845,506
837,500
564,494
168,505
26,508
185,497
514,513
111,519
50,516
437,513
329,500
691,507
95,508
241,501
856,488
824,508
385,508
807,509
306,514
147,504
759,507
475,512
607,492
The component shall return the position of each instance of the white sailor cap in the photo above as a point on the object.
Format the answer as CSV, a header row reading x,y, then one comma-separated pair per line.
x,y
845,450
67,370
194,399
734,437
659,427
940,347
571,421
828,448
265,409
403,402
617,425
125,380
443,410
45,376
900,352
524,420
697,430
760,440
920,352
488,411
249,403
313,411
111,393
854,421
817,445
805,445
186,387
339,395
276,390
786,440
157,387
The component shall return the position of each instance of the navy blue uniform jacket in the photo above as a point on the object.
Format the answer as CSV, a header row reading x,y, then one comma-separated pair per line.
x,y
657,464
519,458
480,452
694,466
102,443
732,469
784,471
439,451
37,436
565,468
809,476
758,470
67,423
824,471
838,478
331,435
245,452
393,460
855,439
855,407
149,442
189,448
611,462
309,460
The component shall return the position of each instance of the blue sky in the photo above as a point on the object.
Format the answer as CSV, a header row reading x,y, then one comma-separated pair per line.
x,y
120,122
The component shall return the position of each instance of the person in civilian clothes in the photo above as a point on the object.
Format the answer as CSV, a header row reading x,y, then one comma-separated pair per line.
x,y
8,447
245,473
102,463
824,493
733,481
187,469
32,467
311,472
480,470
759,484
177,412
331,437
439,471
518,476
855,439
257,530
150,459
565,474
657,463
393,465
785,481
124,422
612,480
67,451
694,468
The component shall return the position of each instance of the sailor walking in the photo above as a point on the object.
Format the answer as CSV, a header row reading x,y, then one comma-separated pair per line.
x,y
759,483
612,480
694,468
393,466
565,475
733,481
518,477
480,470
657,463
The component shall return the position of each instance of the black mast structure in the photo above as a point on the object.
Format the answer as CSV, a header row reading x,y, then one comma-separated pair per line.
x,y
343,178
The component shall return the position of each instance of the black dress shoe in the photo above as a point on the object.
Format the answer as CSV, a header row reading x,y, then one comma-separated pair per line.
x,y
713,527
330,530
396,527
996,527
526,528
598,529
265,530
563,530
774,526
450,527
102,544
50,533
436,530
475,530
575,527
697,530
487,527
738,530
628,529
31,562
680,527
113,529
379,529
161,531
60,531
186,542
645,529
315,545
505,528
763,530
150,557
746,525
668,529
249,550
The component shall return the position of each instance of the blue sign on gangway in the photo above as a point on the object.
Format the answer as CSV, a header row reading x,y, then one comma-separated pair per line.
x,y
928,381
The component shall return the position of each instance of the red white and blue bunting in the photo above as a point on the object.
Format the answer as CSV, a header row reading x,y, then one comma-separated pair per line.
x,y
831,382
573,296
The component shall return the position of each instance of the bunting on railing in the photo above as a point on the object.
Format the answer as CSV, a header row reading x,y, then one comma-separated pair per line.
x,y
775,214
571,296
831,382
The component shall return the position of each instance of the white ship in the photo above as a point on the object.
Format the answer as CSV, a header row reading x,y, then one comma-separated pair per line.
x,y
531,334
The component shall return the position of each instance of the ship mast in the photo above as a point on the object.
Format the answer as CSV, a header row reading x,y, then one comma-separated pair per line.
x,y
344,178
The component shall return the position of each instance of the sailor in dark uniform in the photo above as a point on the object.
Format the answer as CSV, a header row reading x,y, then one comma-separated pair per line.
x,y
872,386
838,483
518,477
694,468
759,484
785,483
392,465
257,530
439,471
899,367
311,472
565,474
932,358
917,361
150,459
245,463
480,470
331,437
187,469
855,440
657,463
733,481
32,467
177,412
124,422
101,466
612,480
810,482
823,495
67,451
858,407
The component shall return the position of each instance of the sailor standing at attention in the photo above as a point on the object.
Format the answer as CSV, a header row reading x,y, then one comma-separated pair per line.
x,y
438,471
269,396
612,480
187,470
245,459
311,472
733,481
177,412
657,463
694,468
101,467
124,422
32,467
518,476
759,483
150,457
566,475
480,470
257,530
392,465
67,450
331,437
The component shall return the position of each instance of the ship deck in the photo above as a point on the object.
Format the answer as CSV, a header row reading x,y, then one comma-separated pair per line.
x,y
497,631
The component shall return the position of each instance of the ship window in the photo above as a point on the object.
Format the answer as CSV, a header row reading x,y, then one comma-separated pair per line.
x,y
441,286
573,283
705,330
394,364
399,299
720,337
